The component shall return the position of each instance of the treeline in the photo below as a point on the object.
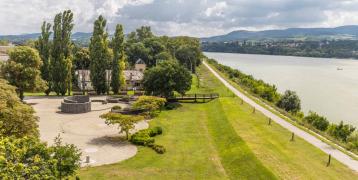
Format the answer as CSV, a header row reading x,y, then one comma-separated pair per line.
x,y
344,134
61,57
325,49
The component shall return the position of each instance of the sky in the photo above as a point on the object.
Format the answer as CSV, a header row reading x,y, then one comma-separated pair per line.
x,y
199,18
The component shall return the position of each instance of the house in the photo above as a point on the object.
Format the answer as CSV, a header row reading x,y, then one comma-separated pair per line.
x,y
4,52
133,77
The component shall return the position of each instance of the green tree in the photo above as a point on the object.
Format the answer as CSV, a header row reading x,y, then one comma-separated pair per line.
x,y
81,59
67,157
341,131
61,57
144,32
43,45
28,158
23,70
16,118
118,47
189,56
125,122
100,56
165,78
290,102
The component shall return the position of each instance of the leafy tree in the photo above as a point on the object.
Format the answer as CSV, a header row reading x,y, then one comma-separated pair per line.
x,y
43,45
100,56
28,158
341,131
125,122
189,56
165,78
290,102
23,70
67,157
150,103
317,121
144,32
118,50
81,59
137,51
16,118
122,67
61,61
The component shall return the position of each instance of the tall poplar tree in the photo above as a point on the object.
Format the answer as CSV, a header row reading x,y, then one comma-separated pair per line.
x,y
100,56
61,52
118,47
43,45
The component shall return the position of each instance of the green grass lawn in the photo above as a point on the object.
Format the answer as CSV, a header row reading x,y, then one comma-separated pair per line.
x,y
221,139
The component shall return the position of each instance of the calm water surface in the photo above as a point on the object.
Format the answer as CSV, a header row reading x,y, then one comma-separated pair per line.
x,y
321,87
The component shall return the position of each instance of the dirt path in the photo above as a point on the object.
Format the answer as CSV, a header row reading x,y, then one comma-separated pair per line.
x,y
337,154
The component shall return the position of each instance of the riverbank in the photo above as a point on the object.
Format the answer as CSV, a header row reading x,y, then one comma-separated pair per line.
x,y
321,87
222,139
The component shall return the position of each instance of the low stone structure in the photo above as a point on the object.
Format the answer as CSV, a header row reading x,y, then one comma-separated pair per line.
x,y
76,104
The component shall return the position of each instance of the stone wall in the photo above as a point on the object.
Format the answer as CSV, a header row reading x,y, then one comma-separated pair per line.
x,y
76,104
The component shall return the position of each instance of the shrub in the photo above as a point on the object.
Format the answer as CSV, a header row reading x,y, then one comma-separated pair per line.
x,y
150,103
145,138
142,138
117,107
319,122
158,148
290,102
157,130
341,131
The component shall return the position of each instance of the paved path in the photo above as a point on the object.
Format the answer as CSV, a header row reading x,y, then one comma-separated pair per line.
x,y
87,131
337,154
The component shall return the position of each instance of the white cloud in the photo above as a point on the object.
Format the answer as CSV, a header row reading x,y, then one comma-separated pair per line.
x,y
180,17
217,10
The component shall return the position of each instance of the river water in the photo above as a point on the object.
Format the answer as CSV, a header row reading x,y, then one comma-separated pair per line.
x,y
326,86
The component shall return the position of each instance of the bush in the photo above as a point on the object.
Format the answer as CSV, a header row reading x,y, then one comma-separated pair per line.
x,y
158,148
145,138
142,138
290,102
116,107
341,131
156,131
317,121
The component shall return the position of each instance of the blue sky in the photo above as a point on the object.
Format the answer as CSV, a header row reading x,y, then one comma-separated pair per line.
x,y
181,17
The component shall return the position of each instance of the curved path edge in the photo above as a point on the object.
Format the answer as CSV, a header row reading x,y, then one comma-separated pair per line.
x,y
337,154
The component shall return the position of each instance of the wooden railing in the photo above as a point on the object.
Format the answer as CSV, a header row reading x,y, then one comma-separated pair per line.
x,y
194,97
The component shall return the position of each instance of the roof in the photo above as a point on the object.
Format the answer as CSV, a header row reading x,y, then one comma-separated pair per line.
x,y
133,75
140,61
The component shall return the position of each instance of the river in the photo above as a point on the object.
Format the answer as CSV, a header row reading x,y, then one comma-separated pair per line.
x,y
326,86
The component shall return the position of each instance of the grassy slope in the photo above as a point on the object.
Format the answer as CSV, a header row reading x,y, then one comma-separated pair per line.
x,y
220,140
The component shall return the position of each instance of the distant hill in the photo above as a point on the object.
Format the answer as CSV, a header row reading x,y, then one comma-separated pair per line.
x,y
342,32
78,36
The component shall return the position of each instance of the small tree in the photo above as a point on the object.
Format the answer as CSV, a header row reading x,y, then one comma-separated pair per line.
x,y
125,122
23,70
165,78
341,131
150,103
16,118
67,157
28,158
290,102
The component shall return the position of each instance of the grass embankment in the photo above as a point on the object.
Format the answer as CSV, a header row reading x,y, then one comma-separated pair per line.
x,y
221,139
